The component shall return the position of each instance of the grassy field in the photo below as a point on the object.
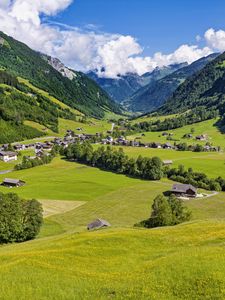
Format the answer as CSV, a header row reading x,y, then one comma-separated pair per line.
x,y
92,126
183,262
66,262
210,163
148,118
207,127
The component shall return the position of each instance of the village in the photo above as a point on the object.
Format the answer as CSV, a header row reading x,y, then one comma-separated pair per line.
x,y
10,153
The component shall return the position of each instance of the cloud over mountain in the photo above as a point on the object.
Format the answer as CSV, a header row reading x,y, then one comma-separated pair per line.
x,y
86,49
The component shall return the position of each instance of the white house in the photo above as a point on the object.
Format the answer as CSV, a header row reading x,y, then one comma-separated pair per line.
x,y
8,156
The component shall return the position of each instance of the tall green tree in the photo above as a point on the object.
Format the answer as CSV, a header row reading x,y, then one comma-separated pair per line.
x,y
180,213
161,212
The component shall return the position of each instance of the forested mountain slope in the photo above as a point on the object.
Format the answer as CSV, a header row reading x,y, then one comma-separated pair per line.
x,y
78,92
19,103
157,92
206,88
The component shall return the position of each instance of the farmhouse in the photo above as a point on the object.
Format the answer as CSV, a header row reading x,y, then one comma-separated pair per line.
x,y
97,224
8,156
167,146
19,147
12,182
184,190
201,137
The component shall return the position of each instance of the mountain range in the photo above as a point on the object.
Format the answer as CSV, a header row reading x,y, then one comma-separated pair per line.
x,y
36,87
125,86
158,91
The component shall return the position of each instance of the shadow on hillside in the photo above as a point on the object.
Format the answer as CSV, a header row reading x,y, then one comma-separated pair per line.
x,y
220,125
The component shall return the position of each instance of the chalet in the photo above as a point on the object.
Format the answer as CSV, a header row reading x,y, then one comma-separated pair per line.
x,y
8,156
97,224
8,182
184,190
109,139
167,146
30,146
201,137
156,145
19,147
167,162
39,153
165,134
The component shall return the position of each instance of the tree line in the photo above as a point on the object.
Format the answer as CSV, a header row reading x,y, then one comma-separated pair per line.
x,y
197,179
109,158
20,220
115,160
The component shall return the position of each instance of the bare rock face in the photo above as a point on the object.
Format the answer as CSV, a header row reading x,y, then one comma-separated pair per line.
x,y
59,66
2,41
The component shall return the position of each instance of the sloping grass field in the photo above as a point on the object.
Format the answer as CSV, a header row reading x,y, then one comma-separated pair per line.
x,y
122,262
182,262
206,127
210,163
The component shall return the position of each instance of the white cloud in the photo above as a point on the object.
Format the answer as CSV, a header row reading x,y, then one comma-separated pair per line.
x,y
89,49
5,4
215,39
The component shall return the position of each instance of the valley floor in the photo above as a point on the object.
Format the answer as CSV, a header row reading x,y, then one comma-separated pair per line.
x,y
122,262
67,262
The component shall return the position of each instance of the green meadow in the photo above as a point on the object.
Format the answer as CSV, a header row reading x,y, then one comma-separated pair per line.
x,y
183,262
66,262
206,127
210,163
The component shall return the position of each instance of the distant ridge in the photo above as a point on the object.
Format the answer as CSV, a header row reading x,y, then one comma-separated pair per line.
x,y
158,91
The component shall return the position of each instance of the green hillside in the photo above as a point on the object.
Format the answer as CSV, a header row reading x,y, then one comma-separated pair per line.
x,y
81,92
165,264
206,88
67,262
20,103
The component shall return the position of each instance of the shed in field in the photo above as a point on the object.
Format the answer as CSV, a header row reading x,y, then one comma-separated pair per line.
x,y
97,224
167,162
13,182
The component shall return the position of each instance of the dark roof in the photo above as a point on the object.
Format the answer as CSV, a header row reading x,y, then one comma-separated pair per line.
x,y
13,181
98,223
183,188
8,153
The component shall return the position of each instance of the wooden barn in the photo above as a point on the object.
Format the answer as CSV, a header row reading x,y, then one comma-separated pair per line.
x,y
8,182
184,190
97,224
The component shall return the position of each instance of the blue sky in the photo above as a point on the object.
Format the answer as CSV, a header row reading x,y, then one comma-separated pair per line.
x,y
160,25
119,36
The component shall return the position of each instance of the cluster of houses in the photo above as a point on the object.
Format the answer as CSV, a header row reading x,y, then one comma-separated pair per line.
x,y
135,143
